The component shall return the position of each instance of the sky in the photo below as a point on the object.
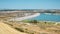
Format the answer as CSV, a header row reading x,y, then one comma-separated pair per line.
x,y
29,4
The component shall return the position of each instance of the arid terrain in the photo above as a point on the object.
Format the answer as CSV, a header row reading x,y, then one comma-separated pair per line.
x,y
37,28
25,26
6,29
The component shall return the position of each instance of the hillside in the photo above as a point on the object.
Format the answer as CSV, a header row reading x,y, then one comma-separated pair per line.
x,y
6,29
37,28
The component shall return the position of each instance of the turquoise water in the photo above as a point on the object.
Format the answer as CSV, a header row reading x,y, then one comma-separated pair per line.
x,y
47,17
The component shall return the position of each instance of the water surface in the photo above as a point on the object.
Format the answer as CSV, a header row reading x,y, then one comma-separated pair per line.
x,y
48,17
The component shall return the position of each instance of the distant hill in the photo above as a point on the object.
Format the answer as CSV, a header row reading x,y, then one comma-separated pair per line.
x,y
34,10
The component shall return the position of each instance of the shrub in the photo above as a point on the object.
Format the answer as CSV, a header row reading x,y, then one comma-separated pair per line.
x,y
19,29
34,21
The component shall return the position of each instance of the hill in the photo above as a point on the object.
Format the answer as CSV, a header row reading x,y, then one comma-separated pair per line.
x,y
6,29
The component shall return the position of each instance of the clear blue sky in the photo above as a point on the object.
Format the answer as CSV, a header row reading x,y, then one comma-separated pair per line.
x,y
29,4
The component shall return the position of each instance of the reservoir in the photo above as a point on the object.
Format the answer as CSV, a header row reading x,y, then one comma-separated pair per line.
x,y
48,17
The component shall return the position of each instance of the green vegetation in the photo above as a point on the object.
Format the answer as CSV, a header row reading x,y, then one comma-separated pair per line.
x,y
26,21
34,21
31,21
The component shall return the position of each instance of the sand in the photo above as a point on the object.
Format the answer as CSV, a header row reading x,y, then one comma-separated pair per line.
x,y
6,29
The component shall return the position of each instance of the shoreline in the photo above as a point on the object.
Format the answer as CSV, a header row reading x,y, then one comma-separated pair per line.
x,y
26,17
49,21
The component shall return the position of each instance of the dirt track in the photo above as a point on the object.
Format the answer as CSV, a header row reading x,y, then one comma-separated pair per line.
x,y
6,29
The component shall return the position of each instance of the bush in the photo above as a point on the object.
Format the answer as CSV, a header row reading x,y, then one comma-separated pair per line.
x,y
30,21
19,29
34,21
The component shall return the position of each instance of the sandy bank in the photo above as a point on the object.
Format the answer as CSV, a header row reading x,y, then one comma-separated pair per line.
x,y
25,17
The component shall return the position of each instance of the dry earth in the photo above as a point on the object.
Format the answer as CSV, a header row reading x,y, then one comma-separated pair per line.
x,y
6,29
39,28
